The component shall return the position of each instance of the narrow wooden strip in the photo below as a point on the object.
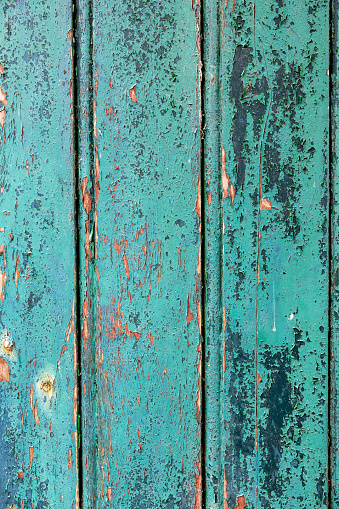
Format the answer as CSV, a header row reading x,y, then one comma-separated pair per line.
x,y
147,264
86,104
212,259
38,393
275,138
334,309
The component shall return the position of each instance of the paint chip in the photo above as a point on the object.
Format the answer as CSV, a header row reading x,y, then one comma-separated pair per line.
x,y
227,186
4,370
30,456
31,397
241,502
2,117
189,315
109,495
132,94
232,194
3,97
265,204
7,342
124,257
198,202
16,276
86,197
225,177
36,418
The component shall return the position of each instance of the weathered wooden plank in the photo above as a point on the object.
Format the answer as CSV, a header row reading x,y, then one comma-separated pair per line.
x,y
275,205
84,102
212,256
334,302
146,221
38,408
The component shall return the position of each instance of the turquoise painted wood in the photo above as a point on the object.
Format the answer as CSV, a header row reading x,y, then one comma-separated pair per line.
x,y
212,255
334,238
275,98
86,255
142,249
38,354
168,256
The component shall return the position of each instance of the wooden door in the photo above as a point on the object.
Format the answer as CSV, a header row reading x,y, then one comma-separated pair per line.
x,y
168,254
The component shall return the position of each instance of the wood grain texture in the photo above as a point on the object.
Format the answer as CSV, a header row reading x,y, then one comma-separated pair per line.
x,y
146,222
38,409
275,211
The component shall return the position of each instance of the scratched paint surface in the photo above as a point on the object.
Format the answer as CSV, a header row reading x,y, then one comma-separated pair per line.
x,y
37,379
275,154
143,219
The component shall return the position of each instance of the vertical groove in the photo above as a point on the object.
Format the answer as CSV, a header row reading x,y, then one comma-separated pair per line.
x,y
77,247
83,146
203,262
85,136
330,263
212,479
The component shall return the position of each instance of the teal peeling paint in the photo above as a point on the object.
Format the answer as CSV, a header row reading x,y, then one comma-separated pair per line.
x,y
275,135
144,257
37,240
213,251
198,139
334,437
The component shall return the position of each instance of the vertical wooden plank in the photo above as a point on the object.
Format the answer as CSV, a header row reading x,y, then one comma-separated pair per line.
x,y
147,265
38,408
275,206
334,303
84,104
212,259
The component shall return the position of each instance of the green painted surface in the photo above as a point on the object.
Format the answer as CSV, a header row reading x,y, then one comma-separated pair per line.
x,y
334,316
86,249
145,253
37,349
201,154
212,257
275,60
